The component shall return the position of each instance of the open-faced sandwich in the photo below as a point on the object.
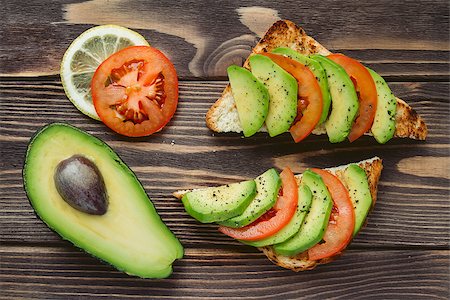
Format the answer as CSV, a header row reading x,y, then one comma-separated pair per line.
x,y
298,221
290,82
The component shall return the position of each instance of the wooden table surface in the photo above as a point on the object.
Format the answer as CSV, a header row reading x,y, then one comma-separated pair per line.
x,y
402,253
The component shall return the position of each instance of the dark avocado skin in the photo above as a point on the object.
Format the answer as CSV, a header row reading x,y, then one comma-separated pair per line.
x,y
160,273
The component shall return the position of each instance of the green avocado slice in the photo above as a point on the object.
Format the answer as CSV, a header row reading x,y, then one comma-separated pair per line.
x,y
317,70
383,127
316,221
216,204
251,97
304,203
282,88
344,100
267,186
129,235
355,179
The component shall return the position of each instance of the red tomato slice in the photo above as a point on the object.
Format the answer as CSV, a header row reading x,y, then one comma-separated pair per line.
x,y
366,90
309,108
342,220
273,220
135,91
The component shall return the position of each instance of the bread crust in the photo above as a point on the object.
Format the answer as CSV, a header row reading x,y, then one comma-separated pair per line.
x,y
284,33
408,124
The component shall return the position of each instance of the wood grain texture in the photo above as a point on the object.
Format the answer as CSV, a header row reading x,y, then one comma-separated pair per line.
x,y
397,254
404,251
210,273
398,39
413,208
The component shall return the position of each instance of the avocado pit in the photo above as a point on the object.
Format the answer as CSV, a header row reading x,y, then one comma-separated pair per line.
x,y
80,183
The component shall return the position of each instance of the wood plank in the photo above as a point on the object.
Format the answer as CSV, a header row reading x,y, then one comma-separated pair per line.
x,y
31,272
404,251
398,39
412,210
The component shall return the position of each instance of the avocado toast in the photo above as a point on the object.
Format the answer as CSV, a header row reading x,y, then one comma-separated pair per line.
x,y
301,261
223,116
296,243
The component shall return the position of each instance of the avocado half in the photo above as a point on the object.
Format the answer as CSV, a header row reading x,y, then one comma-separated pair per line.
x,y
130,235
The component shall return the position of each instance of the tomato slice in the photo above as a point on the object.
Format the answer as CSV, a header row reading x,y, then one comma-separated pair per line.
x,y
273,220
342,220
366,90
310,102
135,91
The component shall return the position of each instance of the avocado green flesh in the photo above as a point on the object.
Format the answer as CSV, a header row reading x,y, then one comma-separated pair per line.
x,y
267,186
130,235
318,71
316,221
355,179
383,127
251,97
282,88
216,204
304,203
344,100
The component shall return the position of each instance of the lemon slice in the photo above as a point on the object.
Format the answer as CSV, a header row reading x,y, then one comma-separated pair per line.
x,y
85,54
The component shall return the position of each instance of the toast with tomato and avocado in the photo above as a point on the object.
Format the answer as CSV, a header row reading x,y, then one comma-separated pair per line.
x,y
298,221
292,83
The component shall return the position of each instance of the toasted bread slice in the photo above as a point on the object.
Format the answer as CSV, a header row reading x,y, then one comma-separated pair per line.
x,y
300,262
223,115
